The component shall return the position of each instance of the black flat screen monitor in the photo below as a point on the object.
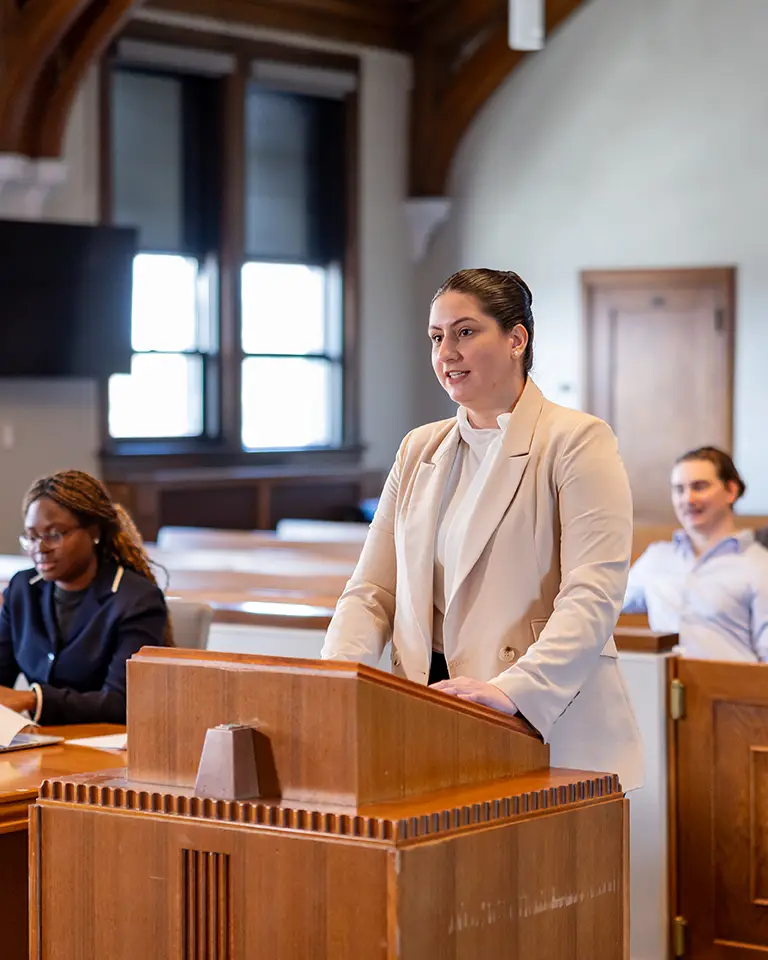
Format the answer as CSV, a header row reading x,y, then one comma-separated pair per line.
x,y
65,299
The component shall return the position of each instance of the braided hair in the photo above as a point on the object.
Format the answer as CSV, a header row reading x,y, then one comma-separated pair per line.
x,y
87,498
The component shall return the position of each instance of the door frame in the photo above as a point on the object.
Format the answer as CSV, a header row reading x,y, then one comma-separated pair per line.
x,y
595,376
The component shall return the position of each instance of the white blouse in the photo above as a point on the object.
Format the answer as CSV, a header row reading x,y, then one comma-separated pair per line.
x,y
474,455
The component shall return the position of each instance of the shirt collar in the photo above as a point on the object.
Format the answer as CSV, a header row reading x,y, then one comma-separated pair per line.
x,y
469,433
736,543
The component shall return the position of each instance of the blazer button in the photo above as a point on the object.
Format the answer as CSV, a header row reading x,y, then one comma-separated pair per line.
x,y
508,654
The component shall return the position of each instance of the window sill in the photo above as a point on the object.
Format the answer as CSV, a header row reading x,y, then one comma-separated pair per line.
x,y
135,459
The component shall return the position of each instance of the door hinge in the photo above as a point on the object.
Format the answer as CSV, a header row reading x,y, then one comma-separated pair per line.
x,y
678,935
677,699
719,320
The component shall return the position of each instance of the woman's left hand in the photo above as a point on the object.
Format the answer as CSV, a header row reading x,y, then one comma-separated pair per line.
x,y
476,691
18,700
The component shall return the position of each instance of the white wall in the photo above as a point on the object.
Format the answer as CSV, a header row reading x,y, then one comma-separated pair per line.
x,y
49,425
52,425
636,138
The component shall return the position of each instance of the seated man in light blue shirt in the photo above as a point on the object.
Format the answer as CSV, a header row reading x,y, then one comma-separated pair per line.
x,y
709,584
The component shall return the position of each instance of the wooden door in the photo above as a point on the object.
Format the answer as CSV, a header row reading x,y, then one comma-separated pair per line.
x,y
719,812
659,367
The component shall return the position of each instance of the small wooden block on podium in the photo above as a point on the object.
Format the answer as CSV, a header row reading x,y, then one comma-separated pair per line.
x,y
391,821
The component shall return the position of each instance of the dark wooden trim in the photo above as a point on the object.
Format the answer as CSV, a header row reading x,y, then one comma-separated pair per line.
x,y
105,141
351,269
119,466
55,94
352,21
232,254
223,447
641,640
451,88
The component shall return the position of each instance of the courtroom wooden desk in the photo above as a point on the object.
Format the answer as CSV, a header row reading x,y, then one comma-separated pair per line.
x,y
21,773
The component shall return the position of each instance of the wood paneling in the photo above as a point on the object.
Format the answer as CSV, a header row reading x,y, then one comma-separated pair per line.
x,y
539,884
721,776
459,743
406,835
659,349
21,775
241,498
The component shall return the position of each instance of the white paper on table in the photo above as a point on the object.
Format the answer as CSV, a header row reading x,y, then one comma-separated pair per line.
x,y
10,724
112,741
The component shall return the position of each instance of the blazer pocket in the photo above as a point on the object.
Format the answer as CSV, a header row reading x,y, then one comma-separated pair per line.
x,y
537,626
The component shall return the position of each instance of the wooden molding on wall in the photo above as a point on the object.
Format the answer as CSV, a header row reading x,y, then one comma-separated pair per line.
x,y
50,44
57,86
461,57
459,48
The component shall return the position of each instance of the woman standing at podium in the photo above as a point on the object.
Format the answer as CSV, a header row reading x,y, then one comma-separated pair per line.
x,y
91,602
498,556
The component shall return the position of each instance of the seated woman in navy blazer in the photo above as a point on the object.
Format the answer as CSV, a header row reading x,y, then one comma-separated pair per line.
x,y
91,602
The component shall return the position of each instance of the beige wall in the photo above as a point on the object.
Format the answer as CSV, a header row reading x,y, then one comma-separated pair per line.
x,y
636,138
49,425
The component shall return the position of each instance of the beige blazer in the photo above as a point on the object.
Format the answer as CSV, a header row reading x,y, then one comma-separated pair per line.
x,y
539,583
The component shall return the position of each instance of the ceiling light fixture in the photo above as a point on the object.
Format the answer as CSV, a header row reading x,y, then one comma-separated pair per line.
x,y
526,24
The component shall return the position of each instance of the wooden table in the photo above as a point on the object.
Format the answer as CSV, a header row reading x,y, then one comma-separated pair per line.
x,y
21,773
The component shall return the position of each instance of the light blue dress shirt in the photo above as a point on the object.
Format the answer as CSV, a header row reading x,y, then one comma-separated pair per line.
x,y
717,603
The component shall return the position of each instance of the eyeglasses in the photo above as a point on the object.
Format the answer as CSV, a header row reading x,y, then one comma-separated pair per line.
x,y
53,539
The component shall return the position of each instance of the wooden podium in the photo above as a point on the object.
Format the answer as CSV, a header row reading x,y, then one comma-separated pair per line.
x,y
392,822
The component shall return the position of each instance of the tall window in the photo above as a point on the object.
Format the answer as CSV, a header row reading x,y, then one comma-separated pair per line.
x,y
238,295
161,125
291,308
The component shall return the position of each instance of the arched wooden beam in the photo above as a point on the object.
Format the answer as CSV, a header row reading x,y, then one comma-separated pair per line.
x,y
463,97
56,90
37,31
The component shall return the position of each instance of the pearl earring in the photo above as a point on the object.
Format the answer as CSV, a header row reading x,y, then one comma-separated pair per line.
x,y
96,541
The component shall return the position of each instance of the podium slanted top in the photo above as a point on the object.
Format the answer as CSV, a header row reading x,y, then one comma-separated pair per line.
x,y
325,731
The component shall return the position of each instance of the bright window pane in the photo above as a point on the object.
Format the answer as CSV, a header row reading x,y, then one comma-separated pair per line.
x,y
288,402
283,308
161,397
164,310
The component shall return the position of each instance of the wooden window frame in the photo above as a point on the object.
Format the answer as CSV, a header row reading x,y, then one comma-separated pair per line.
x,y
120,456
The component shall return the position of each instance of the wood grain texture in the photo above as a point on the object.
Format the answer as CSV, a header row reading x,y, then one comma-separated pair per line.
x,y
721,780
690,316
643,640
429,815
328,730
22,773
549,885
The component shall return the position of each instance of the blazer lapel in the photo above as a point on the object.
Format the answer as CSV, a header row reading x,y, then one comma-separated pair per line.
x,y
420,530
498,486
